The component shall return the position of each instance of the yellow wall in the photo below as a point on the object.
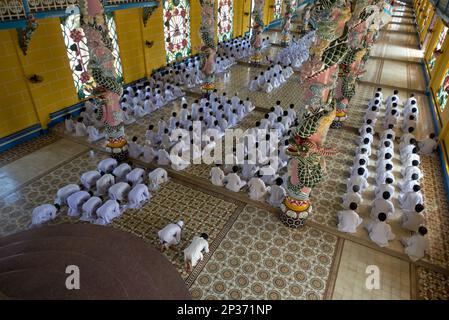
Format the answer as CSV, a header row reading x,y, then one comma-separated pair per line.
x,y
129,33
23,103
154,31
195,23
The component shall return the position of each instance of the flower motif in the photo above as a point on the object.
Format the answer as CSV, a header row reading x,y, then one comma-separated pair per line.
x,y
76,35
84,77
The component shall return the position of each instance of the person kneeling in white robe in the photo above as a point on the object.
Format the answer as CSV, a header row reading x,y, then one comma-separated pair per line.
x,y
429,145
217,176
135,150
119,191
257,188
89,208
156,178
138,196
170,235
233,181
193,253
76,200
277,193
108,212
416,245
44,213
349,220
380,231
94,134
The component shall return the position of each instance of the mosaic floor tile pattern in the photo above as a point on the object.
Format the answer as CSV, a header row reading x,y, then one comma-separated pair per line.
x,y
261,259
394,275
200,212
15,208
432,285
27,147
437,211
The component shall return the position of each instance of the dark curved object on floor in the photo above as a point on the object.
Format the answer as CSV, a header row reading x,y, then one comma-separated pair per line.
x,y
112,264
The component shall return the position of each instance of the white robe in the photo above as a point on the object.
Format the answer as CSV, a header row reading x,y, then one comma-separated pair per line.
x,y
121,171
135,150
277,195
107,212
427,146
119,191
409,200
348,221
80,129
107,165
234,183
94,134
257,189
75,201
382,205
43,213
170,234
156,178
416,246
135,176
63,193
412,220
351,196
380,232
137,196
193,252
89,179
89,208
217,176
104,183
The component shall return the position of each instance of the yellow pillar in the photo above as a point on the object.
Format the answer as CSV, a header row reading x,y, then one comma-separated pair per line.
x,y
440,67
433,40
426,25
422,14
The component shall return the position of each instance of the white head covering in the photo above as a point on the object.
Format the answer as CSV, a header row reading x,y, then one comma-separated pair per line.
x,y
180,223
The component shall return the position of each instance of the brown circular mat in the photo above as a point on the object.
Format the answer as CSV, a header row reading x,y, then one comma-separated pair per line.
x,y
112,265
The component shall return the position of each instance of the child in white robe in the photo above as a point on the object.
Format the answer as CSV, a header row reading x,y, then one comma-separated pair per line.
x,y
135,176
429,145
94,134
107,165
119,191
149,153
104,183
352,196
358,179
217,176
193,253
63,193
380,231
89,179
44,213
254,84
163,157
349,220
80,128
416,245
257,188
108,212
384,205
277,193
267,87
233,181
76,200
412,220
127,117
170,235
89,208
138,195
121,171
69,125
134,149
409,200
156,178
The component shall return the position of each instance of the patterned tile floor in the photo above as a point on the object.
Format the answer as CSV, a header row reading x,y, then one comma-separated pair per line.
x,y
432,285
261,259
25,148
252,254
